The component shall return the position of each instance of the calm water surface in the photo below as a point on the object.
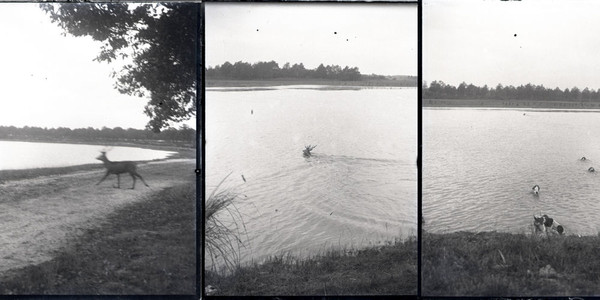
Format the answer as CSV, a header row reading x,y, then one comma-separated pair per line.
x,y
26,155
479,166
358,188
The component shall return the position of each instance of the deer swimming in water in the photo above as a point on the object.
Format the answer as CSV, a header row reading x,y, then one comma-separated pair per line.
x,y
536,189
118,168
307,149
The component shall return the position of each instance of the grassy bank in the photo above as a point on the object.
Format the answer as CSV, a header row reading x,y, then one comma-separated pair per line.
x,y
282,82
510,104
385,270
504,264
146,247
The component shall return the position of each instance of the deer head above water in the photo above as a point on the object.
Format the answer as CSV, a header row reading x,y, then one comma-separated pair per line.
x,y
307,149
118,168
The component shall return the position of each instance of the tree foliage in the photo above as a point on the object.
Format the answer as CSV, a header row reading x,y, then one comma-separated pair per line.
x,y
441,90
153,44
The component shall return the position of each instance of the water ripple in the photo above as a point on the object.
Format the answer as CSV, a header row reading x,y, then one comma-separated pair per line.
x,y
479,167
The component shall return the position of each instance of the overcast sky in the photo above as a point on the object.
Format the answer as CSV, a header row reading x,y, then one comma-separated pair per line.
x,y
49,80
376,38
554,43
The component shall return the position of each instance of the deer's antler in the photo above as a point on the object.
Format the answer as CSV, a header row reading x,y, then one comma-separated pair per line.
x,y
106,149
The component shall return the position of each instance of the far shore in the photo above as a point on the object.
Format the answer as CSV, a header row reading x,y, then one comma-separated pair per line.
x,y
284,82
146,144
8,175
183,151
519,104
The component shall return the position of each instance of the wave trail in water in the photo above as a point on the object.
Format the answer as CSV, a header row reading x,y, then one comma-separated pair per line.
x,y
359,187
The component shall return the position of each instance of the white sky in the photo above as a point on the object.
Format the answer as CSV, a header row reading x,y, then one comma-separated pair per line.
x,y
49,80
557,43
376,38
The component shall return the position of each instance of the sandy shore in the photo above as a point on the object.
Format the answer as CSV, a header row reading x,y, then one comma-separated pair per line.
x,y
38,215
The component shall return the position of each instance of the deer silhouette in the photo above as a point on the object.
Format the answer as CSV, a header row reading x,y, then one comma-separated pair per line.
x,y
307,149
118,168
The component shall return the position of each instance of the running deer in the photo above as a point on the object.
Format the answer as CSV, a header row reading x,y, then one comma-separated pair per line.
x,y
118,168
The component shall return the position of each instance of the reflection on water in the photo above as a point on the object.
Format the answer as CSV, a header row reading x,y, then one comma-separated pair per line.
x,y
479,167
26,155
358,187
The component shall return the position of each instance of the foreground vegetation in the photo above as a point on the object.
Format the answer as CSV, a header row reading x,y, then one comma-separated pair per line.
x,y
390,269
144,248
504,264
383,270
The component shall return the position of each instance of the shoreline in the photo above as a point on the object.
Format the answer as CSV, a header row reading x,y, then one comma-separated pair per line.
x,y
519,104
30,173
388,269
145,144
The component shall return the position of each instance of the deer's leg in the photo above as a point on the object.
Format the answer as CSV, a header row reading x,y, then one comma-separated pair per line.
x,y
118,182
132,176
140,176
107,173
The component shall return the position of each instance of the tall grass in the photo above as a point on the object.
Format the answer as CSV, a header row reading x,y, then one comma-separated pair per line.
x,y
224,227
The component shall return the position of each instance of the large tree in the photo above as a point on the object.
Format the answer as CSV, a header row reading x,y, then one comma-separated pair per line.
x,y
153,46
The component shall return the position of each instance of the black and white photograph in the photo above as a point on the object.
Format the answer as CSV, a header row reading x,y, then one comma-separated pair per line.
x,y
511,95
311,149
98,148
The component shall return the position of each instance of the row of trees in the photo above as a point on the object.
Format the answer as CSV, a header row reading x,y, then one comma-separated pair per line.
x,y
440,90
184,134
270,70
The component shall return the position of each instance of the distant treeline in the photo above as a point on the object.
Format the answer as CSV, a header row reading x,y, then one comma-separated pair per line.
x,y
184,135
440,90
271,70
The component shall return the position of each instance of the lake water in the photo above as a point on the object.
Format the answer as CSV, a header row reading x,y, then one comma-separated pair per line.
x,y
26,155
358,188
479,166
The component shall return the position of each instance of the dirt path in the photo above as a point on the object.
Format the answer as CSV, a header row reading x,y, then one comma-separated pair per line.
x,y
38,215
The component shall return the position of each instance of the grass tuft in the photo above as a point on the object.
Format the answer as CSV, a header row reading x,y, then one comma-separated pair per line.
x,y
223,229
